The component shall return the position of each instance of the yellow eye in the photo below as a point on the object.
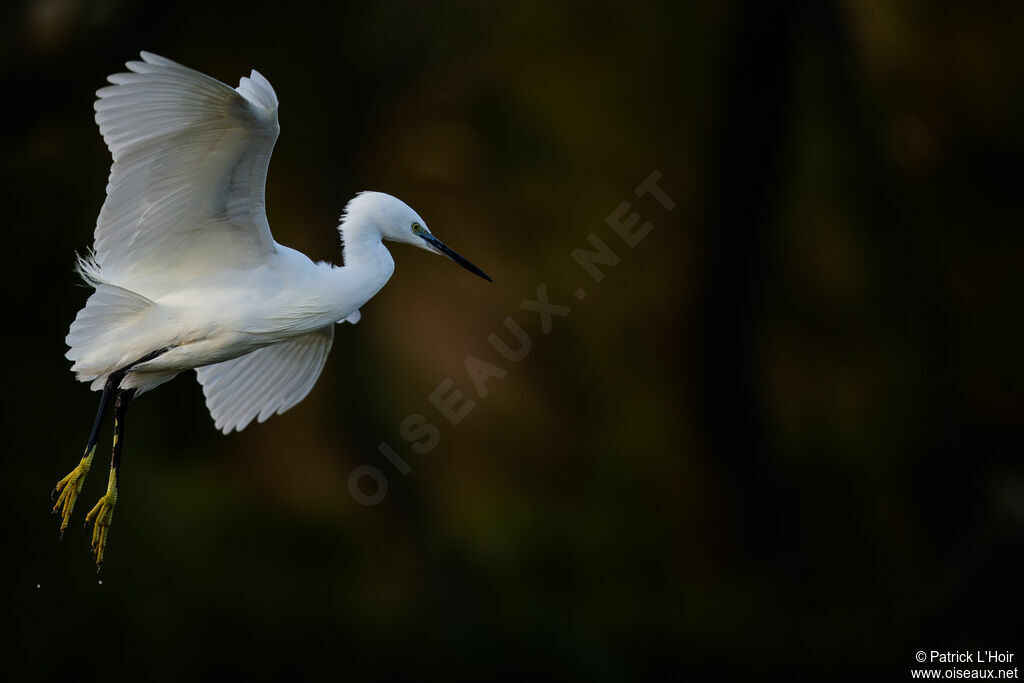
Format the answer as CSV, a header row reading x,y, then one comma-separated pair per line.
x,y
417,228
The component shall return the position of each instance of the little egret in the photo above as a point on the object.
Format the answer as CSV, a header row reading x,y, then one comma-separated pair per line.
x,y
186,273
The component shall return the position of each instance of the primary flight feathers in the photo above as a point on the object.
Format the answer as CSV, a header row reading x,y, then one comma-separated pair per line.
x,y
190,166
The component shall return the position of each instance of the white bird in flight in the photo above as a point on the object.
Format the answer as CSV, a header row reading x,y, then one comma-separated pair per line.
x,y
186,272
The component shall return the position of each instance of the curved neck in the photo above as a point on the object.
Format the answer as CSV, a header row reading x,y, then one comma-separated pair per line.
x,y
361,244
367,267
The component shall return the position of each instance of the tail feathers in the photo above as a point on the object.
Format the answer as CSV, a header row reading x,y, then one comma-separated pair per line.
x,y
93,334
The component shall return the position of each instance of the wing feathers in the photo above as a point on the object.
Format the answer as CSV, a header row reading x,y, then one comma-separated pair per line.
x,y
190,162
258,90
267,381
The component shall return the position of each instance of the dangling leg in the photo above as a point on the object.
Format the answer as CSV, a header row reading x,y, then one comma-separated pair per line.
x,y
70,486
102,514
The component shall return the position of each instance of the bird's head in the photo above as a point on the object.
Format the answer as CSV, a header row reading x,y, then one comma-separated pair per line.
x,y
397,222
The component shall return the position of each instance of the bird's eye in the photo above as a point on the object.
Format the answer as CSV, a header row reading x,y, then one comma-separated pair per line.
x,y
417,228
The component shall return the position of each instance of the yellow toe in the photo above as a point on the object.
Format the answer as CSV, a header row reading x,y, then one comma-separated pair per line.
x,y
101,516
69,487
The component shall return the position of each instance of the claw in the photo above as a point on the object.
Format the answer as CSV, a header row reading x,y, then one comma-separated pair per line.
x,y
101,517
68,489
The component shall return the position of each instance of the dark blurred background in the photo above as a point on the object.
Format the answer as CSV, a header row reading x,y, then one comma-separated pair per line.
x,y
782,437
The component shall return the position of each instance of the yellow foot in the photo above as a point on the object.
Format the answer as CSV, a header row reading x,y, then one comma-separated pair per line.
x,y
101,516
69,487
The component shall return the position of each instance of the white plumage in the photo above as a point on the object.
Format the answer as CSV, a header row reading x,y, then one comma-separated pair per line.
x,y
184,260
268,380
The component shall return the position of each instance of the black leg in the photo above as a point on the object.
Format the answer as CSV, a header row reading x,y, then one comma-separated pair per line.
x,y
108,390
103,514
70,486
110,387
124,398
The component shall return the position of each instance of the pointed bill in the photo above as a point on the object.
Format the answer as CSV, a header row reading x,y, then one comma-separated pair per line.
x,y
442,248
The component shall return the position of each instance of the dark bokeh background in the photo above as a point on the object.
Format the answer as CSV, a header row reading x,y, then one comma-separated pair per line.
x,y
781,437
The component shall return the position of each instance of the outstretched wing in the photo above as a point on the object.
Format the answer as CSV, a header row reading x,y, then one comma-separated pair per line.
x,y
190,163
267,381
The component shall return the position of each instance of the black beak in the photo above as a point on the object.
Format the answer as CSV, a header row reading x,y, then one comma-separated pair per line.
x,y
442,248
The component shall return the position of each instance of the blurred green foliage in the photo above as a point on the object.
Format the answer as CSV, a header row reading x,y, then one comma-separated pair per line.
x,y
781,437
